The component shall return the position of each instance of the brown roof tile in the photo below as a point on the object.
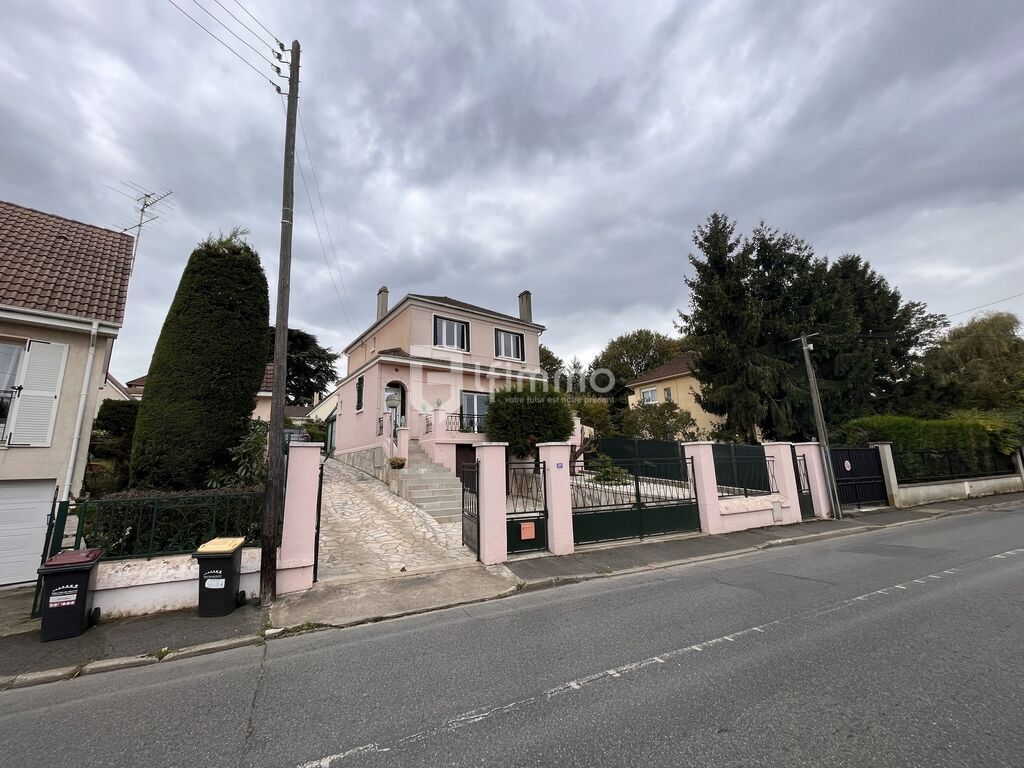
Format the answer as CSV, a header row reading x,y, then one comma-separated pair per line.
x,y
679,365
268,378
52,264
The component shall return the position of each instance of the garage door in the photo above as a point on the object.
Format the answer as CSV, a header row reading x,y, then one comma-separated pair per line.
x,y
24,505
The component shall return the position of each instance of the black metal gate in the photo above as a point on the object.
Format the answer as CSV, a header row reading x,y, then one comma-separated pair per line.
x,y
859,477
526,519
803,486
470,510
633,499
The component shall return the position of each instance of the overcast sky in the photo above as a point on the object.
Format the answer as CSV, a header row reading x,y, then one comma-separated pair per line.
x,y
478,149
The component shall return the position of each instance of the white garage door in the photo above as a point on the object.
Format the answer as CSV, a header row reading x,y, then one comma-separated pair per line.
x,y
24,505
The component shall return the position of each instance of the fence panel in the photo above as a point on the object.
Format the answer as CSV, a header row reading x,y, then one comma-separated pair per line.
x,y
936,466
743,470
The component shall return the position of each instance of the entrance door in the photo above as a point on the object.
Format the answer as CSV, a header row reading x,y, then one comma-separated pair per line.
x,y
24,507
394,401
465,456
474,406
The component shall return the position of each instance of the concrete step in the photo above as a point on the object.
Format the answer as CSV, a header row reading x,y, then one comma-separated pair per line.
x,y
439,482
436,495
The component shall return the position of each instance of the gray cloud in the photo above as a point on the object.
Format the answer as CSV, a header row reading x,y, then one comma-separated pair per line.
x,y
476,149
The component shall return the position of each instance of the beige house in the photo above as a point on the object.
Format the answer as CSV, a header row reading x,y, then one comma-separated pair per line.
x,y
135,389
673,382
112,389
63,288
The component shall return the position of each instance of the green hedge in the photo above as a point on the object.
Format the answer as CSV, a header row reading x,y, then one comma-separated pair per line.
x,y
909,434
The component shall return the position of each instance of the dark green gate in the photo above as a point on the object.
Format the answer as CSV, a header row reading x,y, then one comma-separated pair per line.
x,y
803,487
633,498
469,475
526,520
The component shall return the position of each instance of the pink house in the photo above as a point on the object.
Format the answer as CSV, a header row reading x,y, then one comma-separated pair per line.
x,y
420,379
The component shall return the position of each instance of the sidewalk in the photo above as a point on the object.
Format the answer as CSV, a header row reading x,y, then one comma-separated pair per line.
x,y
340,602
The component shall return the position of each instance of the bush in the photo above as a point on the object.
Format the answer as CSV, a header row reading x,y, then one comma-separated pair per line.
x,y
909,434
526,415
206,369
605,470
397,462
249,460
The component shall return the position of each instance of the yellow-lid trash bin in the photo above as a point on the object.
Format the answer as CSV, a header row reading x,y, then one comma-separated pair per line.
x,y
220,565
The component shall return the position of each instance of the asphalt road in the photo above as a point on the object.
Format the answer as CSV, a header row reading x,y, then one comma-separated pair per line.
x,y
902,647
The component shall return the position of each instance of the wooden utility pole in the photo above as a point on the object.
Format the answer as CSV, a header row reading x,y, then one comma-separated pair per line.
x,y
273,503
819,422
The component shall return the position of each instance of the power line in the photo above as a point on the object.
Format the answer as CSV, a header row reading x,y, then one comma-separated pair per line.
x,y
231,32
327,225
247,12
251,30
236,53
982,306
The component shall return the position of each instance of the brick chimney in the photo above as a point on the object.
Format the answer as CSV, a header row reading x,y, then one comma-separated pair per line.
x,y
382,302
526,307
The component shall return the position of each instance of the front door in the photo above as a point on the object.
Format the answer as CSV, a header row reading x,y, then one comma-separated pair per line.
x,y
474,406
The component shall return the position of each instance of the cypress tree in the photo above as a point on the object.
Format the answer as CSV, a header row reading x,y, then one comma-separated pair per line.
x,y
206,368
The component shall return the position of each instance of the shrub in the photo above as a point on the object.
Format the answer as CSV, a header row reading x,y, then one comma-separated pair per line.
x,y
206,368
397,462
248,458
605,470
909,434
526,415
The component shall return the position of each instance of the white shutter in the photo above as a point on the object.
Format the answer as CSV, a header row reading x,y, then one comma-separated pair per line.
x,y
35,407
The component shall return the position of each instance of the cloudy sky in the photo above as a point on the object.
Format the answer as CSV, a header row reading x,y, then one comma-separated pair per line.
x,y
476,149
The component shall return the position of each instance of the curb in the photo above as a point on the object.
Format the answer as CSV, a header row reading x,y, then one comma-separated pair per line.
x,y
29,679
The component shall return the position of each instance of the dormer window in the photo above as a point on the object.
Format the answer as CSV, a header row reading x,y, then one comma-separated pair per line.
x,y
451,334
509,345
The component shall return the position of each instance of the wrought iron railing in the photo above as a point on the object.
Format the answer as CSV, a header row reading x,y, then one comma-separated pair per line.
x,y
428,424
933,466
623,482
750,476
525,487
464,422
167,525
6,403
380,426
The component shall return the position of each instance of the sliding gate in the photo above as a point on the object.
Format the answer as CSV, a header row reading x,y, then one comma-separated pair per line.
x,y
632,498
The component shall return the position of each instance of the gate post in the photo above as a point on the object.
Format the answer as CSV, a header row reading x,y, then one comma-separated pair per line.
x,y
705,485
892,483
811,453
491,502
557,496
403,442
785,479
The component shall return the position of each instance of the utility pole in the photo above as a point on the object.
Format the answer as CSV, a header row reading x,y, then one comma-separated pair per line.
x,y
819,422
273,503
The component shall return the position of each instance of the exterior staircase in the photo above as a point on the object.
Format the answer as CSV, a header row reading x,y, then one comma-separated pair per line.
x,y
431,487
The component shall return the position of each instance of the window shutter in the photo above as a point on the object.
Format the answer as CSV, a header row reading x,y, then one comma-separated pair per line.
x,y
359,393
35,408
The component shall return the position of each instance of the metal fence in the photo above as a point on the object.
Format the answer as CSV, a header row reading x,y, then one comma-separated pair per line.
x,y
167,525
428,424
932,466
526,487
749,476
464,422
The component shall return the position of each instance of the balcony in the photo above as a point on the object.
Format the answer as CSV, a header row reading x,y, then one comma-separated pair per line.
x,y
466,423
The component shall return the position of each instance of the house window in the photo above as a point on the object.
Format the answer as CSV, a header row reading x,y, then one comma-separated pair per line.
x,y
474,408
508,344
10,360
668,394
649,395
451,334
359,394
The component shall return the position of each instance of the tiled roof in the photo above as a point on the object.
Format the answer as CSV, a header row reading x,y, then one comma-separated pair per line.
x,y
268,378
139,382
114,383
678,366
297,411
456,304
52,264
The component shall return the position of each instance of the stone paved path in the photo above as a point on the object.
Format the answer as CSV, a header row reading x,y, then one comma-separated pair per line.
x,y
368,532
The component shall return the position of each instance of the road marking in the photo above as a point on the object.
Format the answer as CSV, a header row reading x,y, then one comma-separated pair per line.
x,y
580,683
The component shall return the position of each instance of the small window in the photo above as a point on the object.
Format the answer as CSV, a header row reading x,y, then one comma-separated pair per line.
x,y
508,344
451,334
359,394
649,395
373,344
668,394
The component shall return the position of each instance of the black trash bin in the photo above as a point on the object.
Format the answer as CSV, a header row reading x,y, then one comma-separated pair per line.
x,y
69,579
220,562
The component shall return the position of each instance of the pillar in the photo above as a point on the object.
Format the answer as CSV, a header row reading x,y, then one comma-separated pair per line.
x,y
785,479
1018,461
298,529
705,484
491,502
558,496
892,483
812,456
403,442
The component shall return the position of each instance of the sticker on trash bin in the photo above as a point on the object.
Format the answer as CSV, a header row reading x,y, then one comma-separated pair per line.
x,y
64,597
215,583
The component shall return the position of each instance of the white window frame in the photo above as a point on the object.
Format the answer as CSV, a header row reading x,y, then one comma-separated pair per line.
x,y
8,424
455,323
649,396
668,394
26,392
499,335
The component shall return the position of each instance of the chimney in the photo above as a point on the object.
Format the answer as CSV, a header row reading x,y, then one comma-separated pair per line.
x,y
526,307
382,302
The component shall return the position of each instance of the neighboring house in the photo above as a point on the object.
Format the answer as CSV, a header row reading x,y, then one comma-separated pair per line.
x,y
63,287
430,363
112,389
264,395
135,387
673,381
